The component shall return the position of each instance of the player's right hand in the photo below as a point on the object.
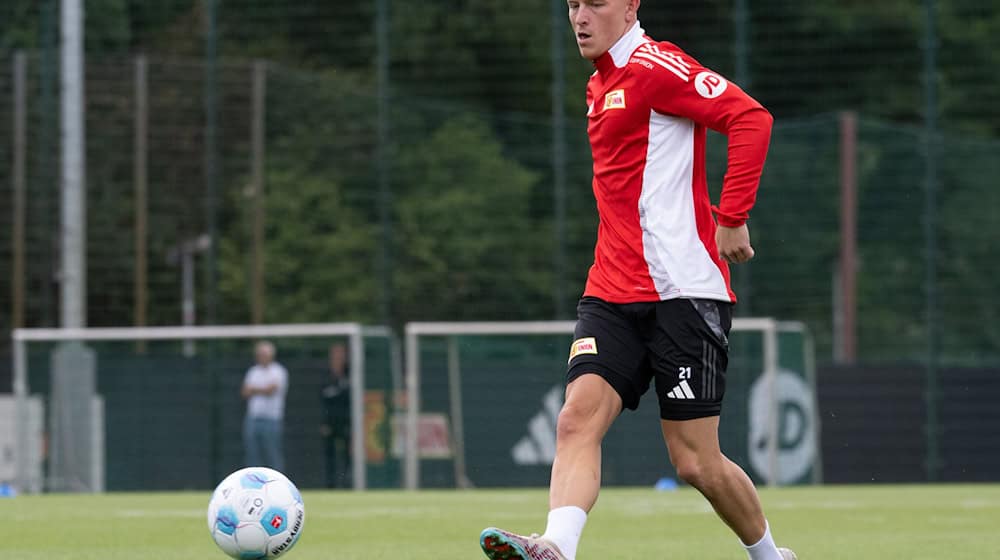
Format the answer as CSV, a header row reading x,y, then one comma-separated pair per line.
x,y
734,244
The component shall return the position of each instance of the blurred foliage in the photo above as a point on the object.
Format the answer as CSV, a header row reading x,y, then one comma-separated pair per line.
x,y
468,246
470,157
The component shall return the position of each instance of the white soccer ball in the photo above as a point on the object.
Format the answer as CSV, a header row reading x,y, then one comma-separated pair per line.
x,y
256,513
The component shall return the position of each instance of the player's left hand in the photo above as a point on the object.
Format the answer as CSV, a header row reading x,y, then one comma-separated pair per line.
x,y
734,244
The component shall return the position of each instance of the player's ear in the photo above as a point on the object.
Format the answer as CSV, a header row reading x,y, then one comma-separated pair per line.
x,y
632,10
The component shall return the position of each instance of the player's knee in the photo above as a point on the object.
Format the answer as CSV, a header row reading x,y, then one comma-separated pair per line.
x,y
575,423
688,470
698,472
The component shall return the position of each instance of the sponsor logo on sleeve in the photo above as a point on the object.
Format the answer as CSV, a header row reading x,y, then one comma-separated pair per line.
x,y
710,85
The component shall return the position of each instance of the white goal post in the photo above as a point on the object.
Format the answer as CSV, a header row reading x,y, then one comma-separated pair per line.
x,y
354,332
769,328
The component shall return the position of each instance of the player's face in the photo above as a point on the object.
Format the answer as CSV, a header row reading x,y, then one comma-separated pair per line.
x,y
598,24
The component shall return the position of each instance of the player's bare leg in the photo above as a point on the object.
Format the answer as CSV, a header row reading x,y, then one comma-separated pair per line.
x,y
695,453
590,409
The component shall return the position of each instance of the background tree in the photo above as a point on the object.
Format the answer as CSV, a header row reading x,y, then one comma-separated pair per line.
x,y
467,247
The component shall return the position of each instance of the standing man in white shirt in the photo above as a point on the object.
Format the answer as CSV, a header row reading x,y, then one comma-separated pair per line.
x,y
264,388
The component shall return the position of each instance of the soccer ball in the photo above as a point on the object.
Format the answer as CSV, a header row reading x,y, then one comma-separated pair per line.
x,y
256,513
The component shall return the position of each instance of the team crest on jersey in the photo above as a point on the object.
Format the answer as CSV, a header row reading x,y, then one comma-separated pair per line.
x,y
614,100
582,346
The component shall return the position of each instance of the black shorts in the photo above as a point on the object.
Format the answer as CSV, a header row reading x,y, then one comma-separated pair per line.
x,y
681,343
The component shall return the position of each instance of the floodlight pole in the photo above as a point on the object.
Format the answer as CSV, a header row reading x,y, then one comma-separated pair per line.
x,y
72,274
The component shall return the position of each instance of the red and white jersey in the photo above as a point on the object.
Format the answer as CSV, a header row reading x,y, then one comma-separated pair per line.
x,y
649,106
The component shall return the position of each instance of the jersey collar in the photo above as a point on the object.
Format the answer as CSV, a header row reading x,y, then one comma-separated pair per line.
x,y
619,53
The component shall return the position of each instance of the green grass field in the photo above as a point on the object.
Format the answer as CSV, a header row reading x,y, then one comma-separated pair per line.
x,y
833,522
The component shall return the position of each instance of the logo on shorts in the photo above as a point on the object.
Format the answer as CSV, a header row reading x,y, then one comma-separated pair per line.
x,y
614,100
681,391
582,346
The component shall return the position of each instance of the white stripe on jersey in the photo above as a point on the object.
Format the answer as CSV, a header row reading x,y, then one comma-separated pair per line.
x,y
662,62
669,57
674,252
654,48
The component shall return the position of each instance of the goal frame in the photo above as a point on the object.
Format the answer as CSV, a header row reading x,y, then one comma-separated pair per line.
x,y
767,326
355,332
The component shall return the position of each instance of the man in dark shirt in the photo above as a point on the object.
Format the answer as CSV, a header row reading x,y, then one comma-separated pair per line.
x,y
336,427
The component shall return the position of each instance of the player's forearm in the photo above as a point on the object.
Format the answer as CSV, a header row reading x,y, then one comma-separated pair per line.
x,y
749,137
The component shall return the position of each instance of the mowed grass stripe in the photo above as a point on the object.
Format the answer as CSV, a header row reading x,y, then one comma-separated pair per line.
x,y
827,522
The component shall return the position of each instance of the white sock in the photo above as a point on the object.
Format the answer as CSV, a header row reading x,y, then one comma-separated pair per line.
x,y
765,548
564,529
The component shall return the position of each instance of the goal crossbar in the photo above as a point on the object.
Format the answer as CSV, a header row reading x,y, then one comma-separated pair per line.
x,y
199,332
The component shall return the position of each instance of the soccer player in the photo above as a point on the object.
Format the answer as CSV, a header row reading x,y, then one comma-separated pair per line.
x,y
658,303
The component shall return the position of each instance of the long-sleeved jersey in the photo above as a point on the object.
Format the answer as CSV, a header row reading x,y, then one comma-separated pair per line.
x,y
649,107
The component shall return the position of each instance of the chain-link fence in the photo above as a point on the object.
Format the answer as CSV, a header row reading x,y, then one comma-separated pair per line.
x,y
440,189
